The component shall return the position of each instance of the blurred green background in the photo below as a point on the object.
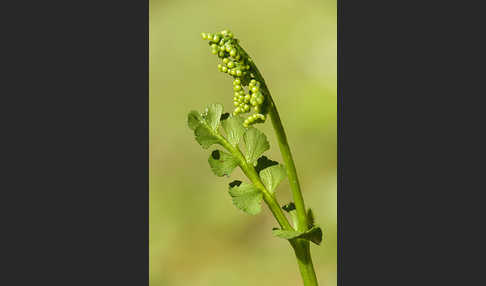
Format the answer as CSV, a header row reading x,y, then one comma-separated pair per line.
x,y
197,237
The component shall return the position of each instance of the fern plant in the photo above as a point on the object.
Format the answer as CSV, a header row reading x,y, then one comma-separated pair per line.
x,y
233,131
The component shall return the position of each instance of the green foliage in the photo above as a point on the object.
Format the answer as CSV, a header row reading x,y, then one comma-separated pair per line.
x,y
246,197
314,234
212,115
205,137
272,176
194,119
205,125
233,127
222,163
256,143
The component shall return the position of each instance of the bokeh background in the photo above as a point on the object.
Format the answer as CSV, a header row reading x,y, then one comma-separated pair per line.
x,y
197,237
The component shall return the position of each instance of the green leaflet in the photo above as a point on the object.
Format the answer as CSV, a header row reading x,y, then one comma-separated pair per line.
x,y
233,126
222,163
256,143
205,137
285,234
212,115
194,118
246,197
314,234
272,176
205,125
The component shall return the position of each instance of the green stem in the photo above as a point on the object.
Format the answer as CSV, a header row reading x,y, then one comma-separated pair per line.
x,y
286,154
304,259
301,247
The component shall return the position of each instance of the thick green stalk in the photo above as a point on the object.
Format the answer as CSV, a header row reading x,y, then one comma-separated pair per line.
x,y
286,154
301,247
304,259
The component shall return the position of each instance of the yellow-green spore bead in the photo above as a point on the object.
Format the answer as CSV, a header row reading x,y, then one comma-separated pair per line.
x,y
239,73
237,81
228,48
247,97
231,64
224,69
237,87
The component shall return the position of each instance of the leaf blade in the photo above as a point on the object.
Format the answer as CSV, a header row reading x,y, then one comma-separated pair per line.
x,y
256,143
233,126
194,119
212,115
273,176
286,234
314,234
204,137
246,197
222,163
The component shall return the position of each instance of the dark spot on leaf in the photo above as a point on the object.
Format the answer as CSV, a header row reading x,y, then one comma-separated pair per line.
x,y
263,162
289,207
216,155
224,116
235,183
